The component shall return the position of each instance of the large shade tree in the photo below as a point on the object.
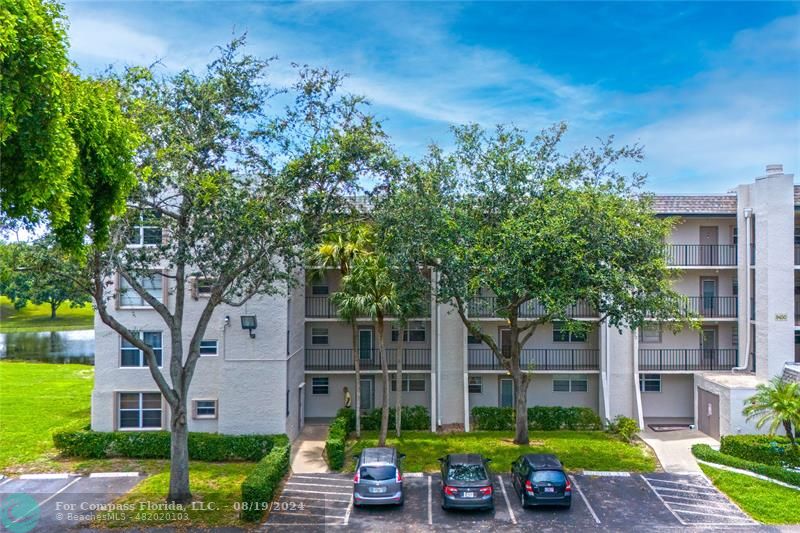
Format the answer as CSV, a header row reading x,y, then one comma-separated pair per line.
x,y
227,197
537,233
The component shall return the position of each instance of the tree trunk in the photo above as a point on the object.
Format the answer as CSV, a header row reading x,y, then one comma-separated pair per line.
x,y
179,459
53,307
385,392
357,367
398,422
787,427
521,407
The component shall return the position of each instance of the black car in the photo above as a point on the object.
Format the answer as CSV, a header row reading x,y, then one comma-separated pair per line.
x,y
539,479
465,482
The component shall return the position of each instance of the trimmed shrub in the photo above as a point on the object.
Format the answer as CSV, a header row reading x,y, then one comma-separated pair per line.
x,y
766,449
706,453
415,417
337,438
259,487
539,418
156,445
624,427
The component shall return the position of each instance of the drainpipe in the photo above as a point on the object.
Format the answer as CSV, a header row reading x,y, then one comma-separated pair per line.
x,y
748,213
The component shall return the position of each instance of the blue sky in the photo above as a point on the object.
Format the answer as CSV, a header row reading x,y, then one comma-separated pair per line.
x,y
712,90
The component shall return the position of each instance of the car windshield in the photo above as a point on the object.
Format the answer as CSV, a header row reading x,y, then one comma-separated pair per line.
x,y
548,476
377,473
466,473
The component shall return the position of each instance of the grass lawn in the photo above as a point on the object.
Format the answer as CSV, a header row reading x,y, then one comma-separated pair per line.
x,y
37,317
590,450
764,501
217,483
35,400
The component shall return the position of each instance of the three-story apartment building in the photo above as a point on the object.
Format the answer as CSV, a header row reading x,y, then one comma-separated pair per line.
x,y
738,255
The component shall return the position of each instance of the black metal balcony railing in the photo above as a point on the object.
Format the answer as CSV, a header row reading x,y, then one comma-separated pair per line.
x,y
701,255
714,306
342,359
688,359
538,359
486,307
323,307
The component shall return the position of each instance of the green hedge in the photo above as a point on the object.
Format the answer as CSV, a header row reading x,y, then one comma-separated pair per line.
x,y
156,445
415,418
338,431
539,418
766,449
259,487
623,427
706,453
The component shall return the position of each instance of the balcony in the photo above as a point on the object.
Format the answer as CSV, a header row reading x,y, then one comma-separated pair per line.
x,y
712,255
797,254
713,306
342,359
678,359
486,307
539,359
323,307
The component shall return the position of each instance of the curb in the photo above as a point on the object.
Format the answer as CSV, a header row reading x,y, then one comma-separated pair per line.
x,y
114,474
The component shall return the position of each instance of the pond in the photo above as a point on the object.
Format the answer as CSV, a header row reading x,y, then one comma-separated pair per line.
x,y
49,346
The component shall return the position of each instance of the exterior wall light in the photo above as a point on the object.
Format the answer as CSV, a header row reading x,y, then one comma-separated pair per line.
x,y
249,323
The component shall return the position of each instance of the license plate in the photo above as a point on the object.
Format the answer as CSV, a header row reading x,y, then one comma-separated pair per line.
x,y
375,490
549,489
469,494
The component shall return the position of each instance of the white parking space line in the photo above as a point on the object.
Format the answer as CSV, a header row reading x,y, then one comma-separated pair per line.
x,y
327,500
678,518
297,524
114,474
318,485
583,497
5,481
508,503
705,504
726,515
41,503
315,492
430,503
324,479
349,510
697,492
605,473
681,483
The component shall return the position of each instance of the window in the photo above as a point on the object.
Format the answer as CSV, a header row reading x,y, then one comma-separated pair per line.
x,y
410,384
131,356
471,339
650,382
128,297
208,347
414,333
575,383
202,286
735,335
319,385
735,288
475,384
205,408
561,334
734,235
319,287
146,229
319,335
650,333
139,410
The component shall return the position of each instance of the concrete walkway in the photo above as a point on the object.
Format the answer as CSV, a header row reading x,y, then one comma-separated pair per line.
x,y
309,449
674,448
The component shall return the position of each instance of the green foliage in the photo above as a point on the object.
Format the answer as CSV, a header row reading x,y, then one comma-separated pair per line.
x,y
624,427
413,417
706,453
770,450
776,403
545,418
259,487
156,445
338,431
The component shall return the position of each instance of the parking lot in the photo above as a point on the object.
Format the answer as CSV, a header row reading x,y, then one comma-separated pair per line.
x,y
657,501
55,502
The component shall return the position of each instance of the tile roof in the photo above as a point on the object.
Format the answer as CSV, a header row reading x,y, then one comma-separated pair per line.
x,y
699,204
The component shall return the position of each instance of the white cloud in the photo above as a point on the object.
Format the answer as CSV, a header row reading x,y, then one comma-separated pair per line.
x,y
108,40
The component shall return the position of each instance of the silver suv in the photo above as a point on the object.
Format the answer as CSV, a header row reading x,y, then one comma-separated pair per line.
x,y
378,479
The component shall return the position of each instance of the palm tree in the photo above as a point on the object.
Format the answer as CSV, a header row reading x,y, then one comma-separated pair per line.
x,y
339,250
371,285
776,402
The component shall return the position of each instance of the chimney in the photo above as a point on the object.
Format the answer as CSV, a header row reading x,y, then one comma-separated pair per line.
x,y
774,169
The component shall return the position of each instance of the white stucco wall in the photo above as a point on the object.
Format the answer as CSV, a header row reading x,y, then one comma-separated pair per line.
x,y
540,391
676,399
325,406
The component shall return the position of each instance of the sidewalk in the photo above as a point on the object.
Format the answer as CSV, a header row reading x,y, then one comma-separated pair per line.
x,y
308,450
674,448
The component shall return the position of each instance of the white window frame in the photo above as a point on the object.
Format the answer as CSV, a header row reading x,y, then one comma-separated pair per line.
x,y
318,335
558,326
140,227
570,381
196,409
142,359
320,283
314,386
407,383
216,348
139,410
123,292
650,340
412,326
197,282
475,381
651,378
